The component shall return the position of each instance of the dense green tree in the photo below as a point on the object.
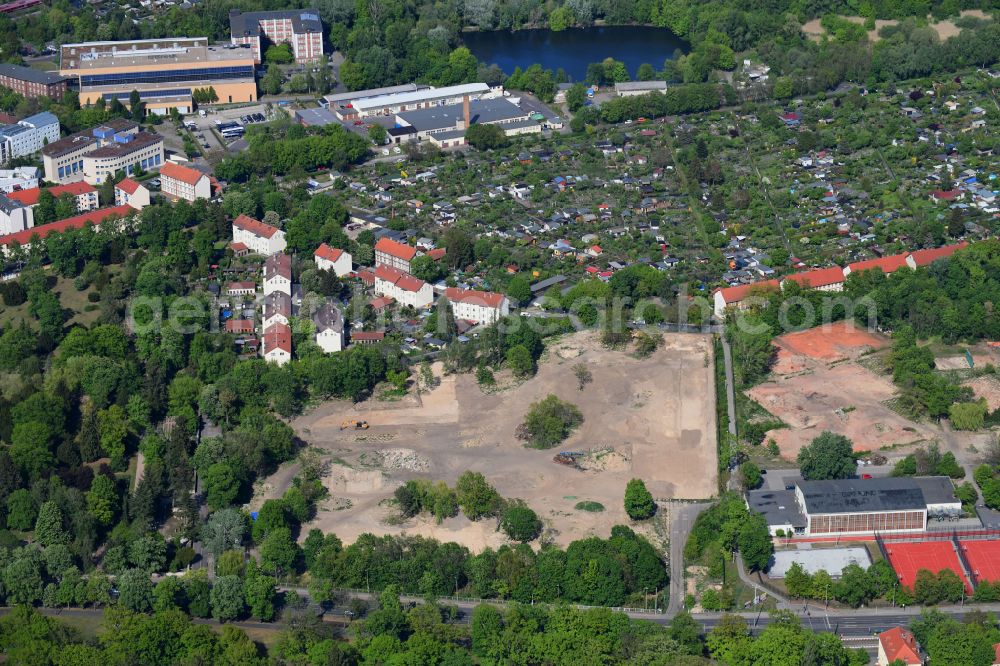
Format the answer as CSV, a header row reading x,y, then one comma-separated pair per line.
x,y
828,456
639,504
135,590
476,496
49,528
228,598
521,523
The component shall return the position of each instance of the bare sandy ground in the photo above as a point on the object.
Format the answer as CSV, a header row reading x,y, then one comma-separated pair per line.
x,y
652,418
944,29
987,387
817,384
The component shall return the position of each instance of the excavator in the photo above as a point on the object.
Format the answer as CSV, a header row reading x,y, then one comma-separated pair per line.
x,y
357,425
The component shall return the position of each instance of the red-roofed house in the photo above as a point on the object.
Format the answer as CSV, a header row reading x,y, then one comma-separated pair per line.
x,y
380,303
239,326
84,194
928,257
939,196
392,253
260,238
737,297
277,344
437,254
94,217
996,654
821,279
887,265
406,289
241,288
898,644
482,307
367,337
131,193
333,259
181,182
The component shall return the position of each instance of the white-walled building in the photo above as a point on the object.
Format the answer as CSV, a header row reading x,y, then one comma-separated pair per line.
x,y
21,178
277,309
181,182
482,307
14,216
28,136
258,237
300,28
63,159
84,195
278,274
333,259
276,346
394,254
131,193
329,328
403,287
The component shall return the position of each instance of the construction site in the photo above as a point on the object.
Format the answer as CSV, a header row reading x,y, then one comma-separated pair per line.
x,y
652,418
822,379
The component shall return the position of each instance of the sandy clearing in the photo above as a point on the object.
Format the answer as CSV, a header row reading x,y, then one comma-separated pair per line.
x,y
944,29
987,387
651,418
817,384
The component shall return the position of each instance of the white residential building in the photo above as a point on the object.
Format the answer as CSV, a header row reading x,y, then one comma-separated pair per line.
x,y
394,254
28,136
482,307
329,328
278,274
14,216
258,237
84,196
181,182
21,178
333,259
277,309
131,193
403,287
277,344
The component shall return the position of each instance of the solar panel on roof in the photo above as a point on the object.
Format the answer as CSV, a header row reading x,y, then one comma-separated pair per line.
x,y
309,17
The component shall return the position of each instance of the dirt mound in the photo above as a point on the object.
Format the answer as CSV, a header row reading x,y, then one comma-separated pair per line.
x,y
407,459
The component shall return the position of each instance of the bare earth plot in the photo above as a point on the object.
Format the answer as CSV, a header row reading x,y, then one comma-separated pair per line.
x,y
817,384
652,418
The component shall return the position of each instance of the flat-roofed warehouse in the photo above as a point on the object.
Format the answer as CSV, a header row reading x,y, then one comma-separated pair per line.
x,y
165,72
446,125
857,506
388,105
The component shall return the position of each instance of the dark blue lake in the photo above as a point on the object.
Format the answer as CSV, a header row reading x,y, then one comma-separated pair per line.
x,y
574,49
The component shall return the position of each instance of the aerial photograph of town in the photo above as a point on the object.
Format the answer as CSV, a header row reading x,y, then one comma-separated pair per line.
x,y
500,332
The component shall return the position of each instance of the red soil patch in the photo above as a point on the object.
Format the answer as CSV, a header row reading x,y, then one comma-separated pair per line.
x,y
830,342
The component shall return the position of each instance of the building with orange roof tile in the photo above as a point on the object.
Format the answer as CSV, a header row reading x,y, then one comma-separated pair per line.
x,y
93,217
403,287
929,256
129,192
84,194
333,259
820,279
181,182
258,237
898,644
276,346
482,307
393,253
887,265
739,296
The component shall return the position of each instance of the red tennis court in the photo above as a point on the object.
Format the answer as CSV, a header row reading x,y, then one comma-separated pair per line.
x,y
907,558
983,558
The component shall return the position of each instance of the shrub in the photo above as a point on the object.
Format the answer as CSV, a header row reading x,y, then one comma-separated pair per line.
x,y
548,422
593,507
521,524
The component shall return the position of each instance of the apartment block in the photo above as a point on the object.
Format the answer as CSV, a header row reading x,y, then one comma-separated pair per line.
x,y
300,28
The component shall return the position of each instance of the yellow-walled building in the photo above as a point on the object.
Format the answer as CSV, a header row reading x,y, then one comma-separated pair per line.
x,y
165,72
